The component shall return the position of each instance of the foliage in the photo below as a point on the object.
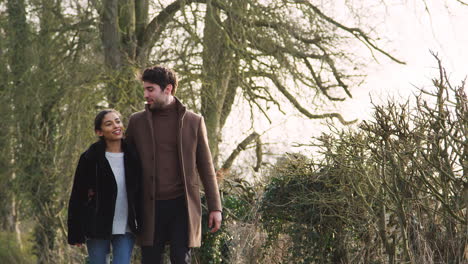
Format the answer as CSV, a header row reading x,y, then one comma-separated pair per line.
x,y
10,252
395,190
238,201
48,93
315,208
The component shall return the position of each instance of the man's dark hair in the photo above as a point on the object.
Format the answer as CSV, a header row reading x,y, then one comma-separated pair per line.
x,y
161,76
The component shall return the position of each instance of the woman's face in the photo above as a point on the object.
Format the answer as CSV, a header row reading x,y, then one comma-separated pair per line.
x,y
111,127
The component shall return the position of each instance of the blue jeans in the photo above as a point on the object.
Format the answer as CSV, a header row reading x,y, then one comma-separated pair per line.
x,y
122,247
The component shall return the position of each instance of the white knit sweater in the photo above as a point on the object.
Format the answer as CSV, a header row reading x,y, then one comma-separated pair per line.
x,y
116,161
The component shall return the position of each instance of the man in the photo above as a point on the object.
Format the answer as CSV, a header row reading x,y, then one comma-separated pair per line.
x,y
173,147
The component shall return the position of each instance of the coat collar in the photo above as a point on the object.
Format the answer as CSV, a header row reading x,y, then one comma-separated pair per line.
x,y
97,150
181,110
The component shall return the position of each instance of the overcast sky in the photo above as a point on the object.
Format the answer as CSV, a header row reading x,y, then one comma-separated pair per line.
x,y
412,33
409,32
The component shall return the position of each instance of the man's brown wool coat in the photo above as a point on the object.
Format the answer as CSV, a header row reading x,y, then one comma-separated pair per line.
x,y
195,165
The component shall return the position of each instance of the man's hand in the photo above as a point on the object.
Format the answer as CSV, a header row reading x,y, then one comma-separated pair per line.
x,y
214,221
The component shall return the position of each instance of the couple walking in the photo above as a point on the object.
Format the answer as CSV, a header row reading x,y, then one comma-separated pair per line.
x,y
146,186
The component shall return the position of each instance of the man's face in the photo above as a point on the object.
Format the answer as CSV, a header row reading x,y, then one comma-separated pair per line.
x,y
154,96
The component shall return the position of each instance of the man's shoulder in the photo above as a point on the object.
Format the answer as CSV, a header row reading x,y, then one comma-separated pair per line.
x,y
138,115
187,113
192,117
191,114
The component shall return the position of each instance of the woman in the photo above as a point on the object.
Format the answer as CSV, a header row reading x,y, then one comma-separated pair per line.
x,y
104,208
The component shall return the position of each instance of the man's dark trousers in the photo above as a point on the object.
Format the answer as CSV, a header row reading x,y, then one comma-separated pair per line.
x,y
171,225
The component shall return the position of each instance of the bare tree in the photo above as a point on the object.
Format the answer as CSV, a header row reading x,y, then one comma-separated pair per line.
x,y
263,51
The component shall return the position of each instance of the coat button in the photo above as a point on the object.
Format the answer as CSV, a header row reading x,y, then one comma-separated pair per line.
x,y
151,198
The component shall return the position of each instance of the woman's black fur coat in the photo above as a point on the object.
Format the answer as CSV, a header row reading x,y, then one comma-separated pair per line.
x,y
92,202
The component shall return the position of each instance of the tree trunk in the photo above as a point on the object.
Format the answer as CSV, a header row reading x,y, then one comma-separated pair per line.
x,y
123,22
18,60
217,72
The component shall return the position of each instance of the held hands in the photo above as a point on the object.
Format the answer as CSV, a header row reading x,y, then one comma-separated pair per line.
x,y
214,221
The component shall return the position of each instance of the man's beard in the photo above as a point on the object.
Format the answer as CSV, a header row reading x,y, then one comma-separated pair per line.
x,y
157,105
160,103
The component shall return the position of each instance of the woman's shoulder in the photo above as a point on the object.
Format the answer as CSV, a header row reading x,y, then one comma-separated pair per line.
x,y
93,151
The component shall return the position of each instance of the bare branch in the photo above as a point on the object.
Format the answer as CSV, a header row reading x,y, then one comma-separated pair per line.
x,y
301,109
356,32
242,146
319,83
158,24
259,154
